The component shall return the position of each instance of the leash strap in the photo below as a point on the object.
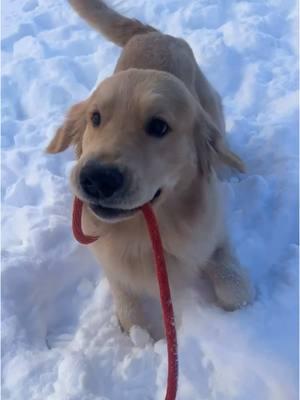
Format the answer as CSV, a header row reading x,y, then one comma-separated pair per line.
x,y
165,299
163,283
76,224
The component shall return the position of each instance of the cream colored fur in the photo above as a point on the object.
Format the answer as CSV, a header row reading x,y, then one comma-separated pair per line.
x,y
156,74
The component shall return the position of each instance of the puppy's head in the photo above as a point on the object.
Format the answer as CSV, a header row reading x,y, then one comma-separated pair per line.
x,y
139,138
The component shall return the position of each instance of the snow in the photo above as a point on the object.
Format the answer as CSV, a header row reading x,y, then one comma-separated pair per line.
x,y
60,338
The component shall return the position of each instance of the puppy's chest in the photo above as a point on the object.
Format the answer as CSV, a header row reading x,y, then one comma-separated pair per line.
x,y
136,247
129,257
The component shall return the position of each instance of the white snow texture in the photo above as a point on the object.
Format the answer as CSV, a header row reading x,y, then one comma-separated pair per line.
x,y
60,337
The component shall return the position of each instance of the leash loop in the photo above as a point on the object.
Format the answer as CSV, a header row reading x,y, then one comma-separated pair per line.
x,y
163,283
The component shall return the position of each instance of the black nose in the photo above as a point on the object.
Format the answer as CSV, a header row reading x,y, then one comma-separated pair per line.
x,y
99,181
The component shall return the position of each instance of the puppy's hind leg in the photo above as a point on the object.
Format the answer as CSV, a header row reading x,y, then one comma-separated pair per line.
x,y
231,283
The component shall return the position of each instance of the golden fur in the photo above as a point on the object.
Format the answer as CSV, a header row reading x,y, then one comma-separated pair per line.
x,y
156,74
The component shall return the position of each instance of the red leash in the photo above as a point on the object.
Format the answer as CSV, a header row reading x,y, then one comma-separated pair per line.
x,y
165,300
76,224
164,289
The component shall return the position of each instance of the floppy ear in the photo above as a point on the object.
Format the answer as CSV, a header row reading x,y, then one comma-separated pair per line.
x,y
211,146
71,131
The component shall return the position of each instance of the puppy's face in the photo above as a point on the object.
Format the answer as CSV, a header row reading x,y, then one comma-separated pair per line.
x,y
135,141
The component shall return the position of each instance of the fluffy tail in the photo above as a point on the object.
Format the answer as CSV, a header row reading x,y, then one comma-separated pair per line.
x,y
111,24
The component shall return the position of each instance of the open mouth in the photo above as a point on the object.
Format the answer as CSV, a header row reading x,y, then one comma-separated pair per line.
x,y
114,213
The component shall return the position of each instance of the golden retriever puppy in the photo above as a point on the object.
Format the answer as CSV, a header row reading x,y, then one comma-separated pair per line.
x,y
152,132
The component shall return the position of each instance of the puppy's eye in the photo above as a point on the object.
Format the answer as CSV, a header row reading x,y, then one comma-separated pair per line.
x,y
157,127
96,118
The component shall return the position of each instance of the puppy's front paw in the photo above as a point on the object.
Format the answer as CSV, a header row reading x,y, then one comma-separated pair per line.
x,y
130,314
126,322
139,336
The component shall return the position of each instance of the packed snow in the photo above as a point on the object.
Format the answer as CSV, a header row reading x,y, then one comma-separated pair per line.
x,y
60,337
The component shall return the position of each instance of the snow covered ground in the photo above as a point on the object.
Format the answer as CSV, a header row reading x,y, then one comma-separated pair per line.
x,y
59,338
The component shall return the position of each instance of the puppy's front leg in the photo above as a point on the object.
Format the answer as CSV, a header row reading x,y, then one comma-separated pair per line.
x,y
128,307
230,281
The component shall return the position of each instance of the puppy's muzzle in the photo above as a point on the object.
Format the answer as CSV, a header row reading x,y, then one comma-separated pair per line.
x,y
100,182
